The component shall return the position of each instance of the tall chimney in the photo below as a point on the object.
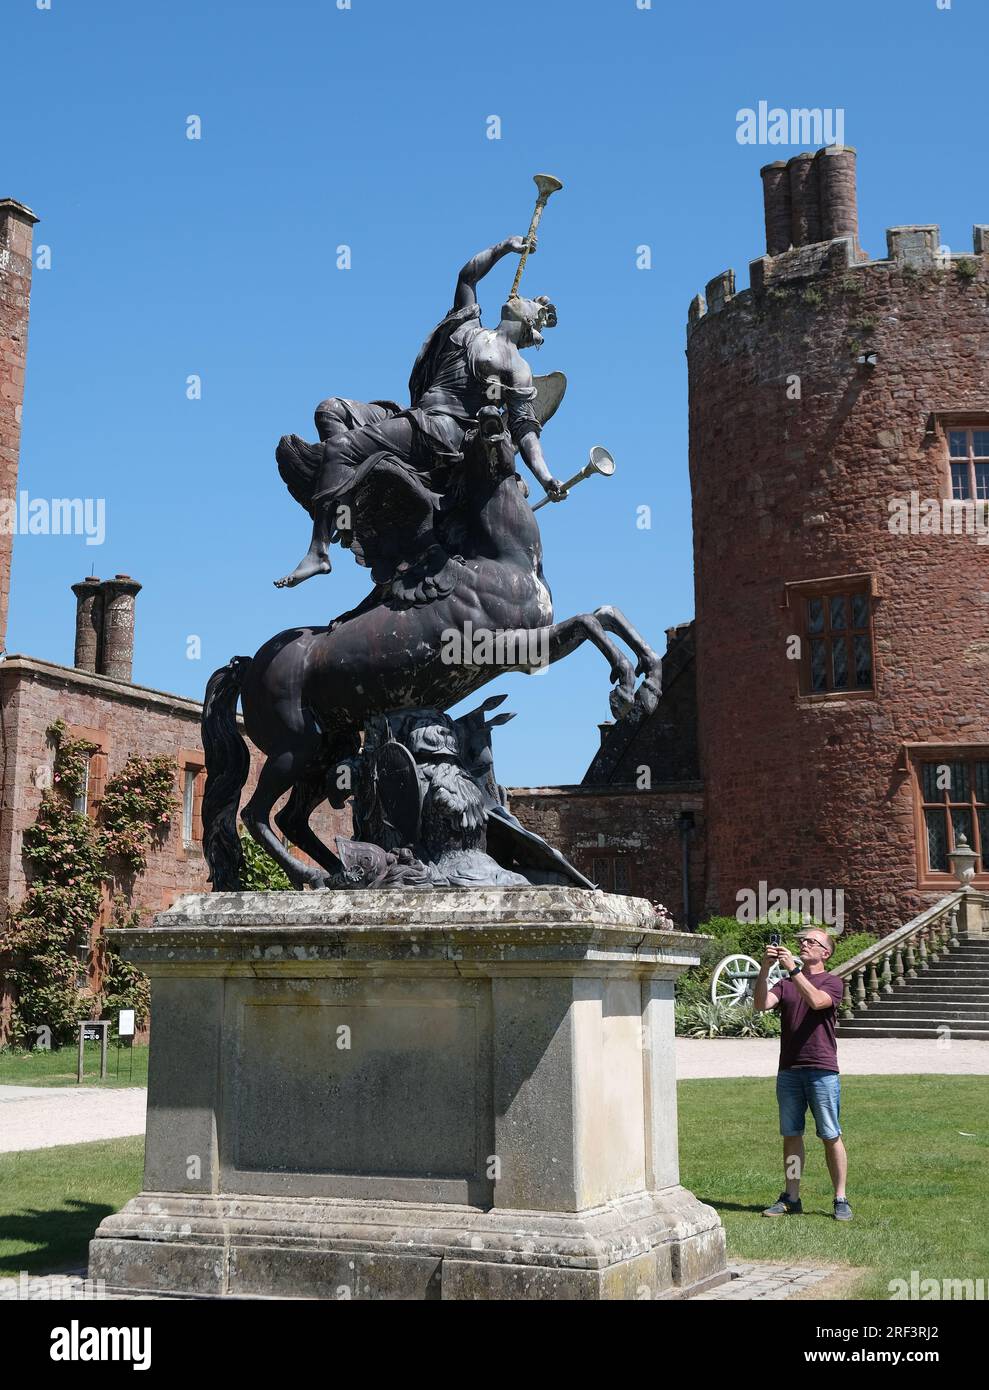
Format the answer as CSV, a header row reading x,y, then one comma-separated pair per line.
x,y
776,198
805,214
89,623
117,649
16,236
836,182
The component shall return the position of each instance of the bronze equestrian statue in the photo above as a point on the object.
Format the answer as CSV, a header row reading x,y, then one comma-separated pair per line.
x,y
428,498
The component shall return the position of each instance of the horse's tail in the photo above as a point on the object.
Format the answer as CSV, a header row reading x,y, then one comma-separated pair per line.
x,y
228,761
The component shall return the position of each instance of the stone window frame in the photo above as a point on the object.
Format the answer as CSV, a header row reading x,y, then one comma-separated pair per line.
x,y
940,423
611,855
796,593
970,459
96,768
914,757
191,760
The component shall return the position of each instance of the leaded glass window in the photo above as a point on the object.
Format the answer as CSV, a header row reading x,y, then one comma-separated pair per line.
x,y
955,795
611,873
968,461
838,632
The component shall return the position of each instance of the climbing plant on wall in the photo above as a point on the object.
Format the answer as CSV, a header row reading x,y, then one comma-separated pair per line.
x,y
73,860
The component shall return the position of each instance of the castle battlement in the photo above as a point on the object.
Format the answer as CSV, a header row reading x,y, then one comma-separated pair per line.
x,y
811,214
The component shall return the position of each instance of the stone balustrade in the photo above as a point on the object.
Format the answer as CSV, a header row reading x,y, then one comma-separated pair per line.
x,y
905,954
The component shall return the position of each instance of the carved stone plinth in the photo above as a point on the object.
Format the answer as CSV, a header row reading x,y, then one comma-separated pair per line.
x,y
464,1093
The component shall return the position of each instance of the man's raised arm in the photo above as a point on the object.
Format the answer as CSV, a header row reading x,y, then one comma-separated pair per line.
x,y
478,266
763,999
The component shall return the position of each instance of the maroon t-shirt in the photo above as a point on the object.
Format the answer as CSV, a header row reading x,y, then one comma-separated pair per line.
x,y
808,1038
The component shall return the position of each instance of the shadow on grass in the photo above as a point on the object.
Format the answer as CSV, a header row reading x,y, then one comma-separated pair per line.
x,y
731,1206
808,1213
59,1239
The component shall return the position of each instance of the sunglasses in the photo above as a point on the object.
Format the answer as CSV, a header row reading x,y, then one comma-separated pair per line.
x,y
809,941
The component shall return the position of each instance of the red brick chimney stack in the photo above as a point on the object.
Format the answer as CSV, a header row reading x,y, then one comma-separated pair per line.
x,y
105,626
16,235
776,196
810,198
89,623
805,220
117,652
838,198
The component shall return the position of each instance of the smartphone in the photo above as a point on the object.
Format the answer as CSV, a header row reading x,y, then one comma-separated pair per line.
x,y
774,938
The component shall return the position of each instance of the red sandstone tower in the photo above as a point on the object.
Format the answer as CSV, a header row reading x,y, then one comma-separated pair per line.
x,y
16,234
842,645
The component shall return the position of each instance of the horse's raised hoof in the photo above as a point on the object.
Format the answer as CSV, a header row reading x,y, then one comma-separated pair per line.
x,y
621,702
647,695
316,880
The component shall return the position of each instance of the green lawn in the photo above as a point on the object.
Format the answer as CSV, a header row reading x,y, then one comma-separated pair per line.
x,y
916,1183
52,1200
58,1067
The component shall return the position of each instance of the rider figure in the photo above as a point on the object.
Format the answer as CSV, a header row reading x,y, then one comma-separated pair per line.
x,y
461,368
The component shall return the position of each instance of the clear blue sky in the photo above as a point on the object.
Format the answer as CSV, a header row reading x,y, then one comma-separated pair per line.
x,y
368,127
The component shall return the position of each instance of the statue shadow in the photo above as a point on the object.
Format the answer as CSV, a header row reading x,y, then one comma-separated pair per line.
x,y
58,1239
731,1206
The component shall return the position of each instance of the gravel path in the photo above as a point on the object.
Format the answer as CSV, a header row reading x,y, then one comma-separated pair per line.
x,y
698,1057
39,1117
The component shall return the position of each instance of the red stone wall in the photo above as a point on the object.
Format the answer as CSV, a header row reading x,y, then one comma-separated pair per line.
x,y
806,792
643,827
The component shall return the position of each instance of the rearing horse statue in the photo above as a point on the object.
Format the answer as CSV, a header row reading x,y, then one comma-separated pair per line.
x,y
428,498
308,692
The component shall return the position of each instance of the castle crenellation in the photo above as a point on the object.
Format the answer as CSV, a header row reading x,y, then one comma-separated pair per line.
x,y
812,233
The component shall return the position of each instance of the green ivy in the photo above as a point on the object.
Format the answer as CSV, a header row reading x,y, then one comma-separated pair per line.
x,y
123,985
260,873
73,859
72,759
136,809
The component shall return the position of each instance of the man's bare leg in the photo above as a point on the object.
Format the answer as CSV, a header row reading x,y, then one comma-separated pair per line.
x,y
317,558
837,1160
793,1164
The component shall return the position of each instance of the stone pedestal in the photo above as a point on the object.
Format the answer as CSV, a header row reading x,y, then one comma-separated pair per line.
x,y
973,915
463,1093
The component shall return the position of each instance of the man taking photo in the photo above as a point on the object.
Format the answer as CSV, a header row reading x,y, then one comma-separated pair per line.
x,y
807,997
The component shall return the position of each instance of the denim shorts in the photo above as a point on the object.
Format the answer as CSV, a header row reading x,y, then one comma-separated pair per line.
x,y
813,1086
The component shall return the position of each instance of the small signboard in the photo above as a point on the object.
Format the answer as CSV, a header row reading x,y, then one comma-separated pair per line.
x,y
93,1031
125,1023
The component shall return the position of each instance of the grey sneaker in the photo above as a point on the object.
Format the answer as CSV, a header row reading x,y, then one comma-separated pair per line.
x,y
842,1211
785,1206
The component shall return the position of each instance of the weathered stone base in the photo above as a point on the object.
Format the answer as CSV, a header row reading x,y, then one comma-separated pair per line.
x,y
656,1245
457,1094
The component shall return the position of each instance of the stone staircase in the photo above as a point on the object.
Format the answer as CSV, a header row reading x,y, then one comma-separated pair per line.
x,y
946,991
